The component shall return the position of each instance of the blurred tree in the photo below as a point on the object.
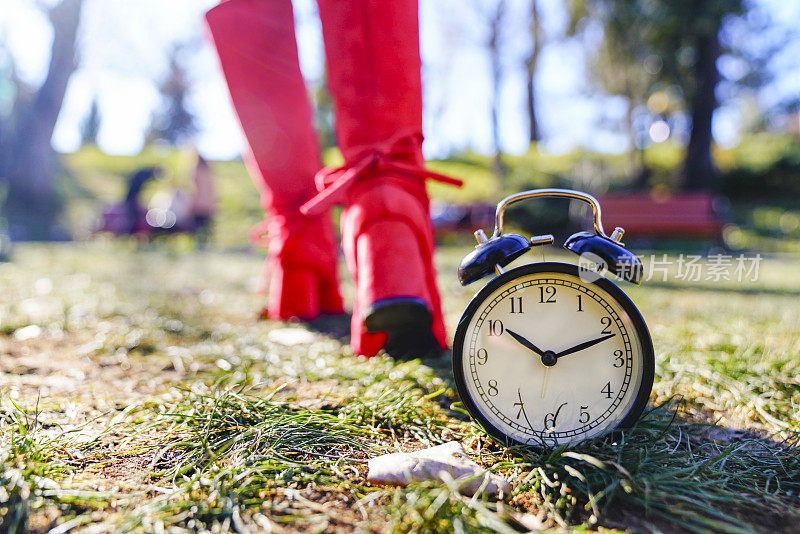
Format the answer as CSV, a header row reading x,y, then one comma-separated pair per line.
x,y
494,45
682,41
90,126
492,14
323,112
27,160
531,62
320,96
622,66
173,123
686,35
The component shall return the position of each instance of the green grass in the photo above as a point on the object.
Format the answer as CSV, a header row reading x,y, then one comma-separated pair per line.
x,y
151,399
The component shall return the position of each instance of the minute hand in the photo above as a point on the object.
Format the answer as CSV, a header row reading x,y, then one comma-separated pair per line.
x,y
584,345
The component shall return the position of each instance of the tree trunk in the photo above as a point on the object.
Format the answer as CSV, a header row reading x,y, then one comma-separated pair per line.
x,y
638,165
698,166
534,135
493,44
32,205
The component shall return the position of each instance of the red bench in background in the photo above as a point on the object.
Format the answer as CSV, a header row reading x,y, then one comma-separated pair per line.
x,y
695,215
457,218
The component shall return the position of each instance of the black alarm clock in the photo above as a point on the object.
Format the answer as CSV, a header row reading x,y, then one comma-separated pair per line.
x,y
552,353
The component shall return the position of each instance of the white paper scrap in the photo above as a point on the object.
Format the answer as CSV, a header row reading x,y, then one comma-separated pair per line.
x,y
402,468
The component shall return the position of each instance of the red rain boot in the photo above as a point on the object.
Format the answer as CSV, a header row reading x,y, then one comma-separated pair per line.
x,y
373,57
256,45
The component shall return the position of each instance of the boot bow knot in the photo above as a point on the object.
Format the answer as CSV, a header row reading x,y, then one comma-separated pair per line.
x,y
392,155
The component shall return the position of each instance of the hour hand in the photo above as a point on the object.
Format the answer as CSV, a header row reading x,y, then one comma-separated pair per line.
x,y
525,342
584,345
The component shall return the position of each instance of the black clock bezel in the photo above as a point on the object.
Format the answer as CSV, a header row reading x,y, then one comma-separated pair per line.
x,y
648,354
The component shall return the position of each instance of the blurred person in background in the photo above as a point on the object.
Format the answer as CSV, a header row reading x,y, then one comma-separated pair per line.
x,y
134,219
373,68
204,199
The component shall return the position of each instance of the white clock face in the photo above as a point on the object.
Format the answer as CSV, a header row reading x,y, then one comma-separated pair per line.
x,y
547,357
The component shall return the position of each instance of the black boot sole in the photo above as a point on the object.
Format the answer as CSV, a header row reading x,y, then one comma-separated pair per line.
x,y
407,322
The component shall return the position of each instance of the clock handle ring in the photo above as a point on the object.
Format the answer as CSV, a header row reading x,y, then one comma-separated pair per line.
x,y
553,192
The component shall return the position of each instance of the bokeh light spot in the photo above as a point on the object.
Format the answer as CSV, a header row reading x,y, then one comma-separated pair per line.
x,y
659,131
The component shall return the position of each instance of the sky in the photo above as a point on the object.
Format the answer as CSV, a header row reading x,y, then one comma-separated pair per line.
x,y
123,48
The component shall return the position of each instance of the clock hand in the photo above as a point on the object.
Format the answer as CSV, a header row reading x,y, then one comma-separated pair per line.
x,y
544,380
525,342
584,345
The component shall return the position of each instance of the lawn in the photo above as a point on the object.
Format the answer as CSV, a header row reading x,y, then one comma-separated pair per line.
x,y
140,393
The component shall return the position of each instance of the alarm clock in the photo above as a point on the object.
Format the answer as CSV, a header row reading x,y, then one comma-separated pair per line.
x,y
552,353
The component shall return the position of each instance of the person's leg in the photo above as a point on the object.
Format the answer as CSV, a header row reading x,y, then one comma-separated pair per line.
x,y
255,42
372,50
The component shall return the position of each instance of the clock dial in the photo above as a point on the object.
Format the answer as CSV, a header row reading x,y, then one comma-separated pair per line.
x,y
544,357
